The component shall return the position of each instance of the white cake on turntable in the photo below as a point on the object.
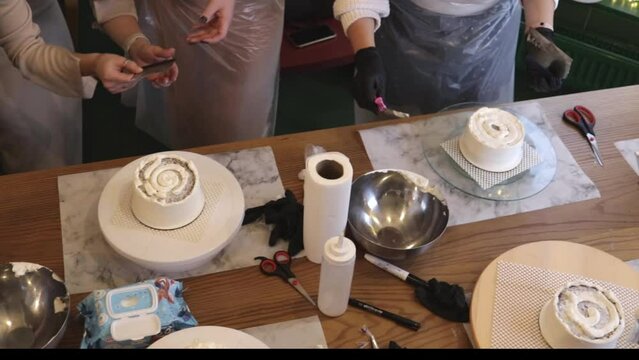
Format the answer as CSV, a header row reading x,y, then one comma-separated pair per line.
x,y
159,223
167,192
582,315
493,140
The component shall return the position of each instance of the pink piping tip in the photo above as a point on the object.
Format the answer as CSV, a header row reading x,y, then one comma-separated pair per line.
x,y
381,107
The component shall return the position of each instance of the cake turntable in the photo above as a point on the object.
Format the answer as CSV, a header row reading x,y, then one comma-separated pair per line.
x,y
184,248
520,186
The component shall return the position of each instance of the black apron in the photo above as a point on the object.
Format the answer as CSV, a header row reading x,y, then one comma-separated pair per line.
x,y
433,61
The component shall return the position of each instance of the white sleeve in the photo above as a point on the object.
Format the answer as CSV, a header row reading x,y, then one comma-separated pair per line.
x,y
348,11
105,10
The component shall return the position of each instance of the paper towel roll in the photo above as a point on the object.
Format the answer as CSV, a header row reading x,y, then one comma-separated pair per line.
x,y
327,192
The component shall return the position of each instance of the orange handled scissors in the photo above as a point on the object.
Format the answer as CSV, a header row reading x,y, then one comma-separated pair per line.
x,y
584,120
281,266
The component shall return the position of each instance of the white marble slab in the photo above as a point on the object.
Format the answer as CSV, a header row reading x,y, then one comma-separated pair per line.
x,y
90,263
400,146
292,334
628,149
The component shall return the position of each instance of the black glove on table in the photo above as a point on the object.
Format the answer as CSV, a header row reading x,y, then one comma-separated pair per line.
x,y
287,215
444,299
547,66
370,78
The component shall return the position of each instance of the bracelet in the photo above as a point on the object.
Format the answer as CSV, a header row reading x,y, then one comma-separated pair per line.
x,y
131,39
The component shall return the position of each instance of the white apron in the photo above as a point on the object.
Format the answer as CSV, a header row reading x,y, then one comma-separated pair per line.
x,y
225,91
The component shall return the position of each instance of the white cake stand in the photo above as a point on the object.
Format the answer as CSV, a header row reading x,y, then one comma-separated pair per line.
x,y
164,250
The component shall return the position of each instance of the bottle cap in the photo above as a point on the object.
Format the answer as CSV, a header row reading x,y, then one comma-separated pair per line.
x,y
133,311
339,249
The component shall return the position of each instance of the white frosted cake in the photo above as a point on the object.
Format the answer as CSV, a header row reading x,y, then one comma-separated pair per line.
x,y
166,192
582,315
493,140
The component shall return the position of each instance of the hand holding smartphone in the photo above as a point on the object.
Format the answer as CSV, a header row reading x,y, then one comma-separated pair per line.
x,y
158,67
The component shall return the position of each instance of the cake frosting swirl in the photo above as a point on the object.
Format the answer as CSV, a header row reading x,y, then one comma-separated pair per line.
x,y
167,192
582,315
493,140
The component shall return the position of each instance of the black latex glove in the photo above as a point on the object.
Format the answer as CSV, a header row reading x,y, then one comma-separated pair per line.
x,y
287,215
444,299
546,65
370,78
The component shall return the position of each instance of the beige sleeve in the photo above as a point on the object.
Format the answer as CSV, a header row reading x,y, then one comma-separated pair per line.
x,y
52,67
105,10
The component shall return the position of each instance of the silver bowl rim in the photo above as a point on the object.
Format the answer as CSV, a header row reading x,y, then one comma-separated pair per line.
x,y
428,189
55,339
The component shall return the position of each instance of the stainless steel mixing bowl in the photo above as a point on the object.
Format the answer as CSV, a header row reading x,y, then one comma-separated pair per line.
x,y
394,214
34,306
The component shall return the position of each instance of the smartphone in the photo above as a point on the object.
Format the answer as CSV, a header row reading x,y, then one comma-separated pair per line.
x,y
312,35
158,67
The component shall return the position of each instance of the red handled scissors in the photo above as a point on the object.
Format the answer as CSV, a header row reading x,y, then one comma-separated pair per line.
x,y
280,266
585,121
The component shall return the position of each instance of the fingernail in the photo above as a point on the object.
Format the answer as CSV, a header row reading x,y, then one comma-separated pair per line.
x,y
204,19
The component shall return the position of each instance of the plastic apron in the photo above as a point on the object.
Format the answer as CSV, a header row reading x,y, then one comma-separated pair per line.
x,y
433,61
38,129
225,91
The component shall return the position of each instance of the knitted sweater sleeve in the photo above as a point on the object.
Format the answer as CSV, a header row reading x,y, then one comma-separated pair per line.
x,y
348,11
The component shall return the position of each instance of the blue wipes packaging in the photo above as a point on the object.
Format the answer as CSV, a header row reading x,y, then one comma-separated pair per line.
x,y
134,316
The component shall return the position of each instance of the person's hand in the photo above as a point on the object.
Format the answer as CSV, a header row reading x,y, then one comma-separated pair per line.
x,y
214,23
546,65
116,73
370,78
144,53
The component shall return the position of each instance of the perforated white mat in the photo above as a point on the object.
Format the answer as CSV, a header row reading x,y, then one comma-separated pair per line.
x,y
123,215
487,179
520,293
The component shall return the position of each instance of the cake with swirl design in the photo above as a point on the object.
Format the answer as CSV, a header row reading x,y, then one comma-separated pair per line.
x,y
493,140
582,315
167,193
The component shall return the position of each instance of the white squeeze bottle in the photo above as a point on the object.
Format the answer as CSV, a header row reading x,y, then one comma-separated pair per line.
x,y
338,263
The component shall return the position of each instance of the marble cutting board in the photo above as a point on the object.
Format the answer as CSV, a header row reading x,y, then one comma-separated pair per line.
x,y
90,263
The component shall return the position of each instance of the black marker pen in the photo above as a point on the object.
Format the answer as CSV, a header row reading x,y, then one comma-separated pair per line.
x,y
413,325
400,273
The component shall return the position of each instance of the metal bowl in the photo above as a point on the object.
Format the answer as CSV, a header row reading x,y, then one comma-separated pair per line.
x,y
34,306
395,214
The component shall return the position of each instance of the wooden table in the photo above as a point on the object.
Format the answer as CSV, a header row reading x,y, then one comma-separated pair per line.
x,y
30,231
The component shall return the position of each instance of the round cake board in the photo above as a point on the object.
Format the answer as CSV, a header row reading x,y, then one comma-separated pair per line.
x,y
561,256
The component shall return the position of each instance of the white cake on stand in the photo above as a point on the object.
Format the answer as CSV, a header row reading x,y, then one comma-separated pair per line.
x,y
493,140
582,315
167,192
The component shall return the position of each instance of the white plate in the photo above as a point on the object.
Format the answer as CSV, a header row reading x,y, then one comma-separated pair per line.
x,y
167,250
208,337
